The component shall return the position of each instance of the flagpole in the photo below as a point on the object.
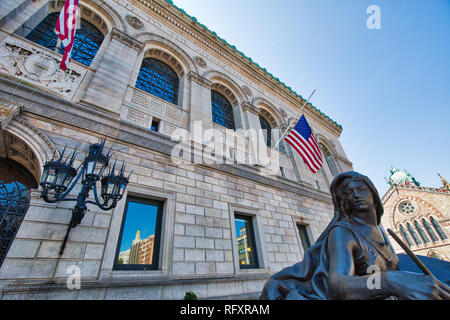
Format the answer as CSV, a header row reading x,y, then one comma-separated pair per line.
x,y
296,117
58,44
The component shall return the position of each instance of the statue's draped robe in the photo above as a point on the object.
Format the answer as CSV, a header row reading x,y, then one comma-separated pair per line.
x,y
308,279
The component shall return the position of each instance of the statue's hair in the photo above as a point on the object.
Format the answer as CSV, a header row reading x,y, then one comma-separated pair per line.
x,y
340,181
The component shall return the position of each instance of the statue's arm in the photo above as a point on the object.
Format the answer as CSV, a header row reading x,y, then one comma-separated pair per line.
x,y
344,284
342,281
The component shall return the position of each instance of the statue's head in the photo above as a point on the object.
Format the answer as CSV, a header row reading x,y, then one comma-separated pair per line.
x,y
353,192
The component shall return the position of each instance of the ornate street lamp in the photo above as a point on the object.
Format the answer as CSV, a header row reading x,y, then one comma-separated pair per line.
x,y
60,177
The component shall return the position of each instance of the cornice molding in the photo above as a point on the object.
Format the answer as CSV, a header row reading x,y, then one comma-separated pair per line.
x,y
341,158
250,108
127,40
192,76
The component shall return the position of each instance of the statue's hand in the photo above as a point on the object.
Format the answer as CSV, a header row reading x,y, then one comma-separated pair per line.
x,y
412,286
283,292
287,294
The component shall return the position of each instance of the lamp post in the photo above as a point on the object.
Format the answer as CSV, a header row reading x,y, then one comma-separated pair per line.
x,y
60,176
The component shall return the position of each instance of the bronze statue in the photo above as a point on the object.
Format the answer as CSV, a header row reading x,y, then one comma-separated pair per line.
x,y
337,265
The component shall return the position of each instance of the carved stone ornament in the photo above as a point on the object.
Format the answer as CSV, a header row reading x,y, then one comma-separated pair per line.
x,y
192,76
250,108
40,66
126,39
247,91
20,60
7,113
200,62
134,22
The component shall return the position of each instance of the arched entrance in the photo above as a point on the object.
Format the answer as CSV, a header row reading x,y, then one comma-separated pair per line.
x,y
16,183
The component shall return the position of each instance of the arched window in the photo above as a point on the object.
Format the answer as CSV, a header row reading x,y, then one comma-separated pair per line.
x,y
157,78
267,130
421,231
87,40
329,158
430,230
438,228
222,111
414,234
406,236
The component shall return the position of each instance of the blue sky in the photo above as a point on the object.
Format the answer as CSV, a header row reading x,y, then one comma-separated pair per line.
x,y
140,217
388,88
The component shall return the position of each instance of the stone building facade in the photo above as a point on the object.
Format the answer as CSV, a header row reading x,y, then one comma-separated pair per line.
x,y
44,110
419,215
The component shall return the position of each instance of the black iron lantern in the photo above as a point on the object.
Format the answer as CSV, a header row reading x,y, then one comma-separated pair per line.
x,y
113,186
57,175
62,177
48,177
95,163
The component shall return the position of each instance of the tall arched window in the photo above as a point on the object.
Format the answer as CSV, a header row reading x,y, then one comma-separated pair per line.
x,y
438,228
157,78
329,158
414,234
430,230
87,40
222,111
406,236
267,130
421,231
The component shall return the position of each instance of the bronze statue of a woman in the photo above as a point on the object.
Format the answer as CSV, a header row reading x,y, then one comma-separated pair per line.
x,y
340,263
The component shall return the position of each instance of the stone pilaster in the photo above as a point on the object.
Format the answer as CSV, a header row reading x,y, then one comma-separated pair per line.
x,y
200,101
109,83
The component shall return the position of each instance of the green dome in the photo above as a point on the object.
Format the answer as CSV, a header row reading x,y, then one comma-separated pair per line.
x,y
401,177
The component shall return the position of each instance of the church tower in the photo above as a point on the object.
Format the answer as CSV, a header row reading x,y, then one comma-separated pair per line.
x,y
419,215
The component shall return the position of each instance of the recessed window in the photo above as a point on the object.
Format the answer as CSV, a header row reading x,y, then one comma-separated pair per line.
x,y
155,125
222,111
267,130
330,160
158,79
245,241
304,238
438,228
406,236
283,174
87,39
140,235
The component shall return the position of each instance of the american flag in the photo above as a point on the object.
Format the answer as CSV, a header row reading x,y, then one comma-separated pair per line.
x,y
66,28
303,141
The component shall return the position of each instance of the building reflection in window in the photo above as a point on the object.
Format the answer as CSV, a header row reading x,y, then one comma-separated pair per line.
x,y
245,242
140,235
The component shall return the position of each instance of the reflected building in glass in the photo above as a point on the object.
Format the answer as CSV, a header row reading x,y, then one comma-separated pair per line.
x,y
141,251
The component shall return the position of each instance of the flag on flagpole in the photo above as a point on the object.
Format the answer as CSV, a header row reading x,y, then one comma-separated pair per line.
x,y
66,28
303,141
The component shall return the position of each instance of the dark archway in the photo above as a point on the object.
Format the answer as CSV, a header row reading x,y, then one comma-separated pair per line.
x,y
16,183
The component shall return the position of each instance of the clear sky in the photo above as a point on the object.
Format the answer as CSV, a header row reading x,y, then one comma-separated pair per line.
x,y
388,88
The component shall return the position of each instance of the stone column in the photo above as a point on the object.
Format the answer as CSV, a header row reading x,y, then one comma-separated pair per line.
x,y
199,110
253,129
110,81
199,100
